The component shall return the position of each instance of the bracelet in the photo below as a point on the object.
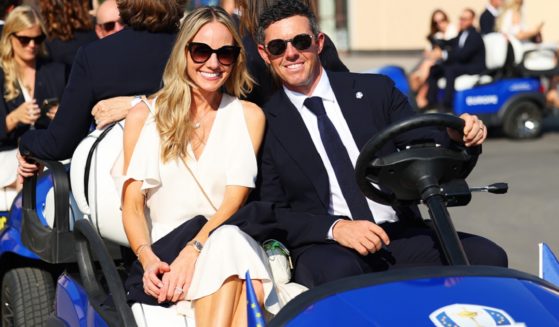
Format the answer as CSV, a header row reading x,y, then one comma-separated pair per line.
x,y
140,248
197,245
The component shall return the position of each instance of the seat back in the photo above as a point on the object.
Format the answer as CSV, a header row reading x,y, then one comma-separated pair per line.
x,y
92,184
495,50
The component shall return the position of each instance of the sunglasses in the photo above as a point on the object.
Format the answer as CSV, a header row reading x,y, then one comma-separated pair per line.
x,y
201,52
300,42
25,40
109,26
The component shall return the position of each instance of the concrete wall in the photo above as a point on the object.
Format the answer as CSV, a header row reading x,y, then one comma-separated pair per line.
x,y
403,24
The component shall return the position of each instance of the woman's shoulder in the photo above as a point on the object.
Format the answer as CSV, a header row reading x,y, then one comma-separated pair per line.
x,y
252,111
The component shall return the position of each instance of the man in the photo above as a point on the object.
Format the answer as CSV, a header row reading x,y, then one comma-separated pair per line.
x,y
489,16
331,229
128,63
465,54
5,8
108,19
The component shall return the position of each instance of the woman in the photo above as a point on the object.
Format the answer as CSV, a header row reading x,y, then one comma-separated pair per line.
x,y
440,28
191,168
265,83
26,82
69,26
511,23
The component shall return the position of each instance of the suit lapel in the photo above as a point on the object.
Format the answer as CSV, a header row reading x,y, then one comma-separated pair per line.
x,y
353,103
293,135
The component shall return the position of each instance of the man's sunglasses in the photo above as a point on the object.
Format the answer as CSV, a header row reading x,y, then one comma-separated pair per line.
x,y
300,42
25,40
109,26
201,52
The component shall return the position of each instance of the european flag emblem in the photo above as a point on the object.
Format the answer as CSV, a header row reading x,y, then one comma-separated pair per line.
x,y
254,312
445,320
499,318
549,265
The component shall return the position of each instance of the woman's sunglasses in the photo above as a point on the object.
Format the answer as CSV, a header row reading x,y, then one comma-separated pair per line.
x,y
25,40
300,42
201,52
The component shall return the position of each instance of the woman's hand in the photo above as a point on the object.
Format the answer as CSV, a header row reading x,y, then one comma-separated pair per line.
x,y
152,271
27,113
111,110
177,281
52,112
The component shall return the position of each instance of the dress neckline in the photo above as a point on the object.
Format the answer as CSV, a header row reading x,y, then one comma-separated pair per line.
x,y
190,150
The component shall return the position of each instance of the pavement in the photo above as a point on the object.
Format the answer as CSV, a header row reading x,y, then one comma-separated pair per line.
x,y
529,213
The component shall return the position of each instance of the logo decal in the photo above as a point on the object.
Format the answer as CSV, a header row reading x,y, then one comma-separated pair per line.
x,y
3,220
482,100
469,315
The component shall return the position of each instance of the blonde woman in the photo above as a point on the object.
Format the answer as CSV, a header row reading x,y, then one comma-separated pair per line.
x,y
511,22
26,81
190,169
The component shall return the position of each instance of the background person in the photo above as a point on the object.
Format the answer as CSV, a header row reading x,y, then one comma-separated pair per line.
x,y
511,22
128,63
191,169
26,80
489,16
5,7
107,19
319,209
69,26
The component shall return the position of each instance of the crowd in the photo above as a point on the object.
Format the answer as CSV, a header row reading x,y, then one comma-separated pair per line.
x,y
458,51
218,104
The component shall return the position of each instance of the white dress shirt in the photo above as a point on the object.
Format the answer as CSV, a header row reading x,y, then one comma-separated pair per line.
x,y
338,205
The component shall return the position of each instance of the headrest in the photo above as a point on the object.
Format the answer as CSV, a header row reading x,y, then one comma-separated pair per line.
x,y
495,50
92,184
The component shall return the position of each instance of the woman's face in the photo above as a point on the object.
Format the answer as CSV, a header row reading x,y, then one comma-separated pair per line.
x,y
440,20
211,74
26,43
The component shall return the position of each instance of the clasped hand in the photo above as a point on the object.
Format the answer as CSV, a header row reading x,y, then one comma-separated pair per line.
x,y
361,235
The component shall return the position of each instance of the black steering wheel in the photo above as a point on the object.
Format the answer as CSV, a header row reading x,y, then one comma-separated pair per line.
x,y
409,172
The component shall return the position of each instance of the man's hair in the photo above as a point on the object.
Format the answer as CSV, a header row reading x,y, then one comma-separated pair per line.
x,y
7,4
471,11
152,15
281,10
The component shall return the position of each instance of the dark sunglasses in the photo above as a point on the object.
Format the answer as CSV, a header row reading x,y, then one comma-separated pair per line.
x,y
300,42
109,26
25,40
201,52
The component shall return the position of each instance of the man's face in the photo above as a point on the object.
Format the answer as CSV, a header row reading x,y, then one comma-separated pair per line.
x,y
466,20
298,65
497,3
108,19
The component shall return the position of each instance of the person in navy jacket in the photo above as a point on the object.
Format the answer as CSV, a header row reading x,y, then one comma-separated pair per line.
x,y
302,190
128,63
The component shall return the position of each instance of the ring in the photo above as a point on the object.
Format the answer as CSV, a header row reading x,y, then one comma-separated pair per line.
x,y
178,290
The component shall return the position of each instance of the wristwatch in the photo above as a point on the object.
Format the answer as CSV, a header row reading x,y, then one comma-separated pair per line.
x,y
197,245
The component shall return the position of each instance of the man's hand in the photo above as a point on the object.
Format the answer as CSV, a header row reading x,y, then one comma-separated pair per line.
x,y
475,131
25,169
361,235
436,54
111,110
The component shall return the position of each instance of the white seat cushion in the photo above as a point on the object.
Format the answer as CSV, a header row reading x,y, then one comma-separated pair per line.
x,y
104,201
496,47
464,82
154,315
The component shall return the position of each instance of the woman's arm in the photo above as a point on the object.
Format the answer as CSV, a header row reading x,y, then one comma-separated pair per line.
x,y
133,202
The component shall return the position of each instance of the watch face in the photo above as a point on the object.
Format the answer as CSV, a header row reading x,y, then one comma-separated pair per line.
x,y
197,245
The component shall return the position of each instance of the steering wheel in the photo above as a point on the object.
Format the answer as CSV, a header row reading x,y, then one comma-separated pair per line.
x,y
410,172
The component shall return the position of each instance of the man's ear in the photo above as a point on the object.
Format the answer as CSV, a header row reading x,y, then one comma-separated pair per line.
x,y
320,41
99,31
263,54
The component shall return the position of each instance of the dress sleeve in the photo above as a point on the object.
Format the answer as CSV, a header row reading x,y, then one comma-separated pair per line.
x,y
242,167
144,164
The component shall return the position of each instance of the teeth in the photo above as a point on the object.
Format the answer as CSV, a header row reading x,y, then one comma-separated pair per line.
x,y
294,66
210,75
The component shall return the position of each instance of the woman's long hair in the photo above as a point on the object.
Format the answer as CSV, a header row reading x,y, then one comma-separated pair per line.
x,y
509,6
21,18
434,27
63,18
173,117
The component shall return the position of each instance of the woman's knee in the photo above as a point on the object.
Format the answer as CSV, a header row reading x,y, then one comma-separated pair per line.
x,y
481,251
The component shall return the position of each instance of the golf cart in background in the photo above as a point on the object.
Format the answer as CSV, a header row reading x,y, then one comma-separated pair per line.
x,y
509,95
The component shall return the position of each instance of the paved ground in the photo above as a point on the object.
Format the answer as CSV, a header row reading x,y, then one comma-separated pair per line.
x,y
529,213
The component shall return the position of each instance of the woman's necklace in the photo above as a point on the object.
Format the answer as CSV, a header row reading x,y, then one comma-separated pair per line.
x,y
197,124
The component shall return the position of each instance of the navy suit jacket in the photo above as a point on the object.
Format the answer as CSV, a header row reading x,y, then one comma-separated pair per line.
x,y
129,62
471,56
486,22
292,177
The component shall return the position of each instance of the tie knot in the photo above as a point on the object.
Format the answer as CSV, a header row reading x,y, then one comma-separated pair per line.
x,y
315,105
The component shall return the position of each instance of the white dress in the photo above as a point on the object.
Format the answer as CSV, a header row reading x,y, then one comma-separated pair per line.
x,y
173,197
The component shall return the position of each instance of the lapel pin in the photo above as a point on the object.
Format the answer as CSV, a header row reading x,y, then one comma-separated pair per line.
x,y
358,95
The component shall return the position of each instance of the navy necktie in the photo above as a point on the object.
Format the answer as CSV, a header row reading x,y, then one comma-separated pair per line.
x,y
339,158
